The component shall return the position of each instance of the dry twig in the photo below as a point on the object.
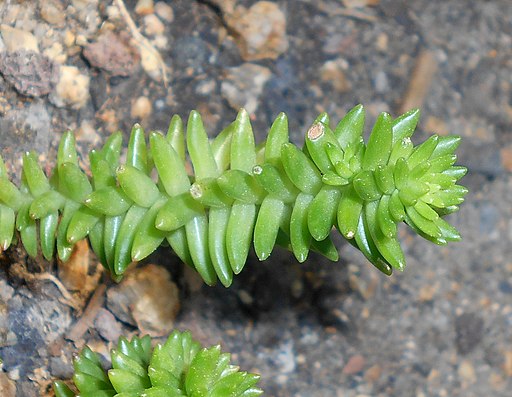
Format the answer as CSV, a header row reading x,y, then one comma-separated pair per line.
x,y
85,322
420,82
20,271
142,42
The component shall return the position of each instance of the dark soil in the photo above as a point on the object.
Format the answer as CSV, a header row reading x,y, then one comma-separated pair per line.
x,y
442,328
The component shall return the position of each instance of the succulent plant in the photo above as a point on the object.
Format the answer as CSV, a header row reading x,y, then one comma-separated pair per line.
x,y
239,193
177,368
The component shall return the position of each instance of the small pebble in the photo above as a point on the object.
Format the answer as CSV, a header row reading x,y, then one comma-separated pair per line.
x,y
60,367
80,5
354,365
332,73
56,53
427,292
467,371
147,298
6,291
87,133
436,125
382,42
72,89
31,73
261,30
153,25
69,38
244,84
53,12
360,3
496,381
107,325
150,63
144,7
507,365
381,82
164,11
141,108
506,157
73,272
17,39
109,52
285,358
160,42
206,87
7,386
373,373
81,40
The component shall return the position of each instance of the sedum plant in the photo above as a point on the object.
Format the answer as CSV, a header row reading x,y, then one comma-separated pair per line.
x,y
239,194
177,368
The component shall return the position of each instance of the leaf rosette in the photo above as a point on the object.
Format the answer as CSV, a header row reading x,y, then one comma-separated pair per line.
x,y
178,368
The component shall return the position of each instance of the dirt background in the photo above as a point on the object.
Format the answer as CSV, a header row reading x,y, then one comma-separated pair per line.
x,y
442,328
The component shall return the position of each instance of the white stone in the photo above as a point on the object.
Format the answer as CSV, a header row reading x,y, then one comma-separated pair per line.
x,y
72,89
17,39
164,11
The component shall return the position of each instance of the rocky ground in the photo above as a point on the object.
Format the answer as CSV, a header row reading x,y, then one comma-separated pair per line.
x,y
442,328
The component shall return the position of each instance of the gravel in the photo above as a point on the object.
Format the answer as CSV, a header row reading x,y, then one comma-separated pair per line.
x,y
441,328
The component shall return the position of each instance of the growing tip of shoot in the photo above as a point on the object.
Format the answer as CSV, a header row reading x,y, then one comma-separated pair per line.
x,y
120,169
242,116
316,131
257,170
196,191
350,234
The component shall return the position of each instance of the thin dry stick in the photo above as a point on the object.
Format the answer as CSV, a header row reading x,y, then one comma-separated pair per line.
x,y
85,322
141,40
334,10
20,271
420,82
350,13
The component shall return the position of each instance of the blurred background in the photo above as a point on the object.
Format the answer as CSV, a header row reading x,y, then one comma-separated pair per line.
x,y
441,328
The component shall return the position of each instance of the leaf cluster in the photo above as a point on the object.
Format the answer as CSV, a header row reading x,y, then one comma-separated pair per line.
x,y
177,368
211,200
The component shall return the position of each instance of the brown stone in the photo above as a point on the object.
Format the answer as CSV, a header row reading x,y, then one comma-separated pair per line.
x,y
147,298
31,73
72,89
507,365
506,157
373,373
141,108
112,54
261,30
53,12
332,73
7,386
354,365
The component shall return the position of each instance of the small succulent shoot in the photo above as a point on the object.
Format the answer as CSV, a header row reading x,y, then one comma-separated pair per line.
x,y
239,194
180,367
